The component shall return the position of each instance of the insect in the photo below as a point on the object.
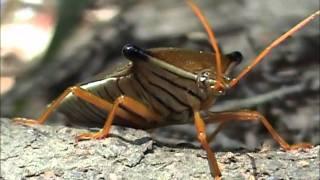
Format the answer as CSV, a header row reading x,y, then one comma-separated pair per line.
x,y
165,86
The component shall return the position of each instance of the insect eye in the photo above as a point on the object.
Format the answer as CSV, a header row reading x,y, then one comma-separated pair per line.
x,y
206,74
203,79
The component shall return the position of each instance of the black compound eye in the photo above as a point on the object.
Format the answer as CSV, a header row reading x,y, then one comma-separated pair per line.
x,y
203,79
206,74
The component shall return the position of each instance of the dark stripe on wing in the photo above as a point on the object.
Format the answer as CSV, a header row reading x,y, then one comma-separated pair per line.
x,y
169,94
189,91
153,96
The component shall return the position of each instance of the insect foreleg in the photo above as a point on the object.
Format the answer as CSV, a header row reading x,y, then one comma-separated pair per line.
x,y
254,116
202,137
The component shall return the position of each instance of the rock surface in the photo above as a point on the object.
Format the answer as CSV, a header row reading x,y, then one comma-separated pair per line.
x,y
50,152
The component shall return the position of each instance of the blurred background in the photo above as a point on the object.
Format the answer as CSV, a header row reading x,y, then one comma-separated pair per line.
x,y
47,46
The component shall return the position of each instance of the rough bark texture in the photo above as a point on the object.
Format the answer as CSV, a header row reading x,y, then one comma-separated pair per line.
x,y
44,152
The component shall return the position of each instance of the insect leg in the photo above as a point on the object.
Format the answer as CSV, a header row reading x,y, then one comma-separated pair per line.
x,y
202,137
81,93
216,131
130,104
254,116
50,108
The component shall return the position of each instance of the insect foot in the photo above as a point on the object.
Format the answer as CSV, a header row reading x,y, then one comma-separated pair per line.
x,y
300,146
25,121
88,136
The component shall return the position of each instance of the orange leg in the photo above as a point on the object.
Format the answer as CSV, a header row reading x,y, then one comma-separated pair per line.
x,y
131,105
202,137
253,116
216,131
97,101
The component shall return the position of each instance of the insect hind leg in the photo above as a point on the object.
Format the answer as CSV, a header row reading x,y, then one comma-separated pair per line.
x,y
49,110
84,95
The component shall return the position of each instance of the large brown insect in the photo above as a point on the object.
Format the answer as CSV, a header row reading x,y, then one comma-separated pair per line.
x,y
164,86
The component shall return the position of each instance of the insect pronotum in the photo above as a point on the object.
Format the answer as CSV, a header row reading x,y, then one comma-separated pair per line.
x,y
165,86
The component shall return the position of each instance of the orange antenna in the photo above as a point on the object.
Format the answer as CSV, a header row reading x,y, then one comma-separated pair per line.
x,y
212,40
273,45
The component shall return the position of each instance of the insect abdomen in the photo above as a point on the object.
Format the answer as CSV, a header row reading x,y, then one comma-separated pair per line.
x,y
83,113
159,95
